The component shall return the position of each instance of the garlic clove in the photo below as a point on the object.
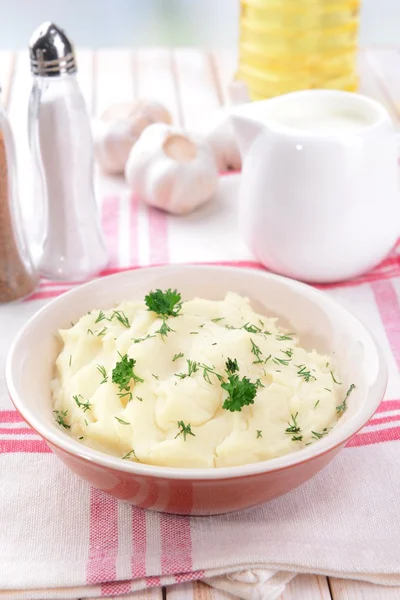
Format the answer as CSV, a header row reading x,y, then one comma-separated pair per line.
x,y
118,129
218,132
170,170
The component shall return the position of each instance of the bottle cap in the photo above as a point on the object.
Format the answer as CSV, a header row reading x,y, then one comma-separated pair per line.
x,y
51,52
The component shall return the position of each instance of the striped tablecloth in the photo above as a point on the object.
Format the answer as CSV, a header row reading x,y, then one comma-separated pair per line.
x,y
47,512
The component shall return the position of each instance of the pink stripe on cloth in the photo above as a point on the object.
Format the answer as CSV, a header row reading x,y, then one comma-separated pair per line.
x,y
383,420
109,220
182,577
153,581
158,236
16,430
176,544
374,437
387,405
103,541
134,226
138,561
115,588
10,416
389,310
28,446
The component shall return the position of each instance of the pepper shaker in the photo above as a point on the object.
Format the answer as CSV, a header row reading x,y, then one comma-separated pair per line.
x,y
62,150
18,278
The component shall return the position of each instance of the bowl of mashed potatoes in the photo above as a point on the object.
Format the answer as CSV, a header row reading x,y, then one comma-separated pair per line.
x,y
195,389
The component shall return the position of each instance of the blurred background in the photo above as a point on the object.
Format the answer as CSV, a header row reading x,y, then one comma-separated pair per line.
x,y
206,23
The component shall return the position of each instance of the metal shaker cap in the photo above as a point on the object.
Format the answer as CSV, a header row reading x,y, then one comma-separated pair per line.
x,y
51,52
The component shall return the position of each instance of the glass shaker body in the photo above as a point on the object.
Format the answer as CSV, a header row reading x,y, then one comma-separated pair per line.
x,y
18,277
62,151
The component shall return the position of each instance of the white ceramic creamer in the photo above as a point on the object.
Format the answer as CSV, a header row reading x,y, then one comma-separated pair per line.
x,y
320,188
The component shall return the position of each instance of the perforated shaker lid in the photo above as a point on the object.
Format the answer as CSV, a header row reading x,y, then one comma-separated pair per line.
x,y
51,52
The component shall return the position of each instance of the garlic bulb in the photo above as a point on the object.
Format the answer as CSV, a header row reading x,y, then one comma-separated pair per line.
x,y
223,143
118,129
171,170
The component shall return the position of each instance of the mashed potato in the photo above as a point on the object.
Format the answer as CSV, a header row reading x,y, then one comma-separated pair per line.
x,y
194,384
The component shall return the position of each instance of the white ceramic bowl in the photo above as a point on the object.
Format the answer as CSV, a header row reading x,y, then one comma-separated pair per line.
x,y
320,322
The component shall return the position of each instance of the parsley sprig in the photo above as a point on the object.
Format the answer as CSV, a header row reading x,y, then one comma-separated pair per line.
x,y
123,374
241,393
231,365
164,304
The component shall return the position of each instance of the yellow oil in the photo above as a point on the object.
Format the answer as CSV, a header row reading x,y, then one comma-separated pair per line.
x,y
288,45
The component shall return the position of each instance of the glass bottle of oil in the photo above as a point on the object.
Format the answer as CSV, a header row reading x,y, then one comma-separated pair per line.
x,y
288,45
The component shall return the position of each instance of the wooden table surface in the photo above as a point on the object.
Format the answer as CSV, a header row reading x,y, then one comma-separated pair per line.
x,y
192,84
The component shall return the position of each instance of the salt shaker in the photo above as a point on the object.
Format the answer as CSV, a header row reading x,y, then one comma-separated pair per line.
x,y
62,152
18,278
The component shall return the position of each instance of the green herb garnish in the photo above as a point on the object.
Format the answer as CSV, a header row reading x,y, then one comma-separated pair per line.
x,y
155,376
184,430
283,338
121,317
259,433
288,352
206,373
102,332
139,398
316,404
217,319
122,421
103,373
164,330
241,393
318,436
143,339
297,438
304,373
129,455
231,366
164,304
343,407
101,317
89,331
177,356
257,353
281,361
334,380
83,405
60,418
192,365
293,425
251,328
123,373
70,359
